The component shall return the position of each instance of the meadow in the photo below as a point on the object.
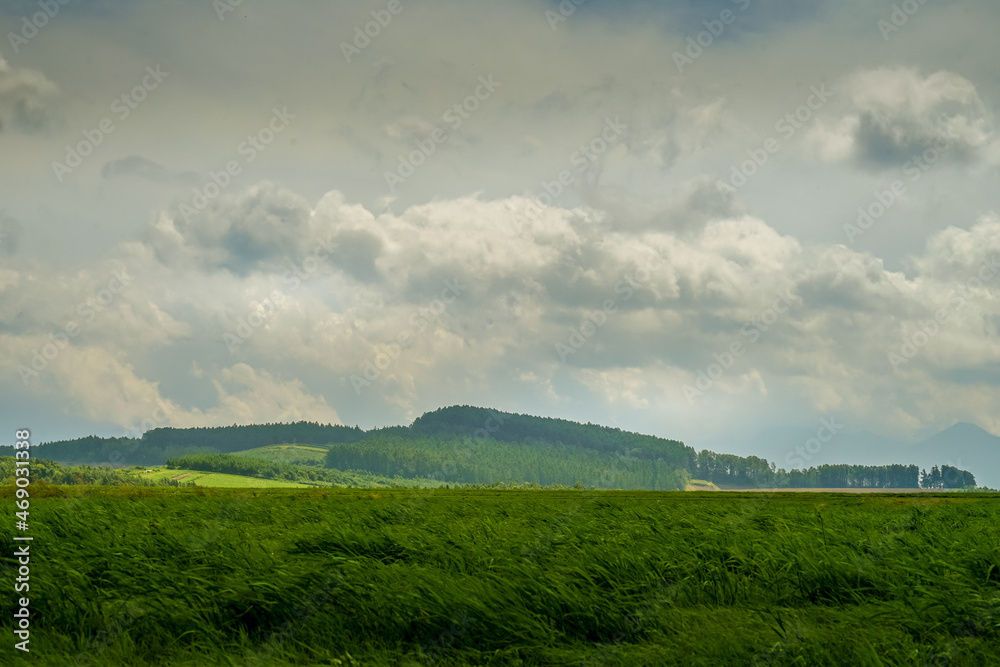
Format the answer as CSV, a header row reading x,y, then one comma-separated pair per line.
x,y
290,454
217,479
195,576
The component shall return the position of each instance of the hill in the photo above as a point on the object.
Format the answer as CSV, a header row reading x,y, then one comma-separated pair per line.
x,y
475,445
157,445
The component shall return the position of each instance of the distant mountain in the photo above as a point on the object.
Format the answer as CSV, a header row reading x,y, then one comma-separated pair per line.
x,y
964,446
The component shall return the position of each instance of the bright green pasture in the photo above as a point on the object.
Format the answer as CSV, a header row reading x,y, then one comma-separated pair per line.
x,y
221,480
294,454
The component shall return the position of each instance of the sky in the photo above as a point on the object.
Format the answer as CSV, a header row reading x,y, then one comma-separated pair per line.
x,y
698,220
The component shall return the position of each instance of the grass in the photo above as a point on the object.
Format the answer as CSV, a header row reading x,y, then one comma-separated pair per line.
x,y
182,576
221,480
293,454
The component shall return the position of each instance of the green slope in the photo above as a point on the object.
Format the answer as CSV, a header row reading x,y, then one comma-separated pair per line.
x,y
221,480
290,454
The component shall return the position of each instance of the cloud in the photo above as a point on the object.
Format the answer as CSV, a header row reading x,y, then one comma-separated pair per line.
x,y
140,167
26,99
248,396
241,234
357,267
10,235
896,114
94,382
954,252
530,282
526,285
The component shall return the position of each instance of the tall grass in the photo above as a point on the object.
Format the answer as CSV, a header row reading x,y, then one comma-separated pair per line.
x,y
395,577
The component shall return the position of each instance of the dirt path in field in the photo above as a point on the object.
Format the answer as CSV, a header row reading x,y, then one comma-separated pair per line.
x,y
187,474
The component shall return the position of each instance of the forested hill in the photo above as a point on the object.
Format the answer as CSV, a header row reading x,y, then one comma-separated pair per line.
x,y
466,444
159,444
233,438
465,421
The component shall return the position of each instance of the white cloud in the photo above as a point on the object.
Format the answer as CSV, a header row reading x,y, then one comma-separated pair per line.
x,y
895,114
384,257
26,98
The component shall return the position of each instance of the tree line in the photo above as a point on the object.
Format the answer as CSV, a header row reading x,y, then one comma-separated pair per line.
x,y
458,460
224,439
755,472
472,445
248,466
50,472
946,477
159,444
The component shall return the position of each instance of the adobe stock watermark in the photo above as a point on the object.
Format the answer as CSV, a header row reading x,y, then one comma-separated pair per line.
x,y
930,328
802,454
87,309
584,156
249,149
122,107
754,329
915,168
899,17
223,7
37,21
261,312
363,38
704,39
566,9
786,126
594,320
455,115
419,322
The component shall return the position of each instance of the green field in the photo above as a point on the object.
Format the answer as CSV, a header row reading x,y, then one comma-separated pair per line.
x,y
220,480
193,576
292,454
